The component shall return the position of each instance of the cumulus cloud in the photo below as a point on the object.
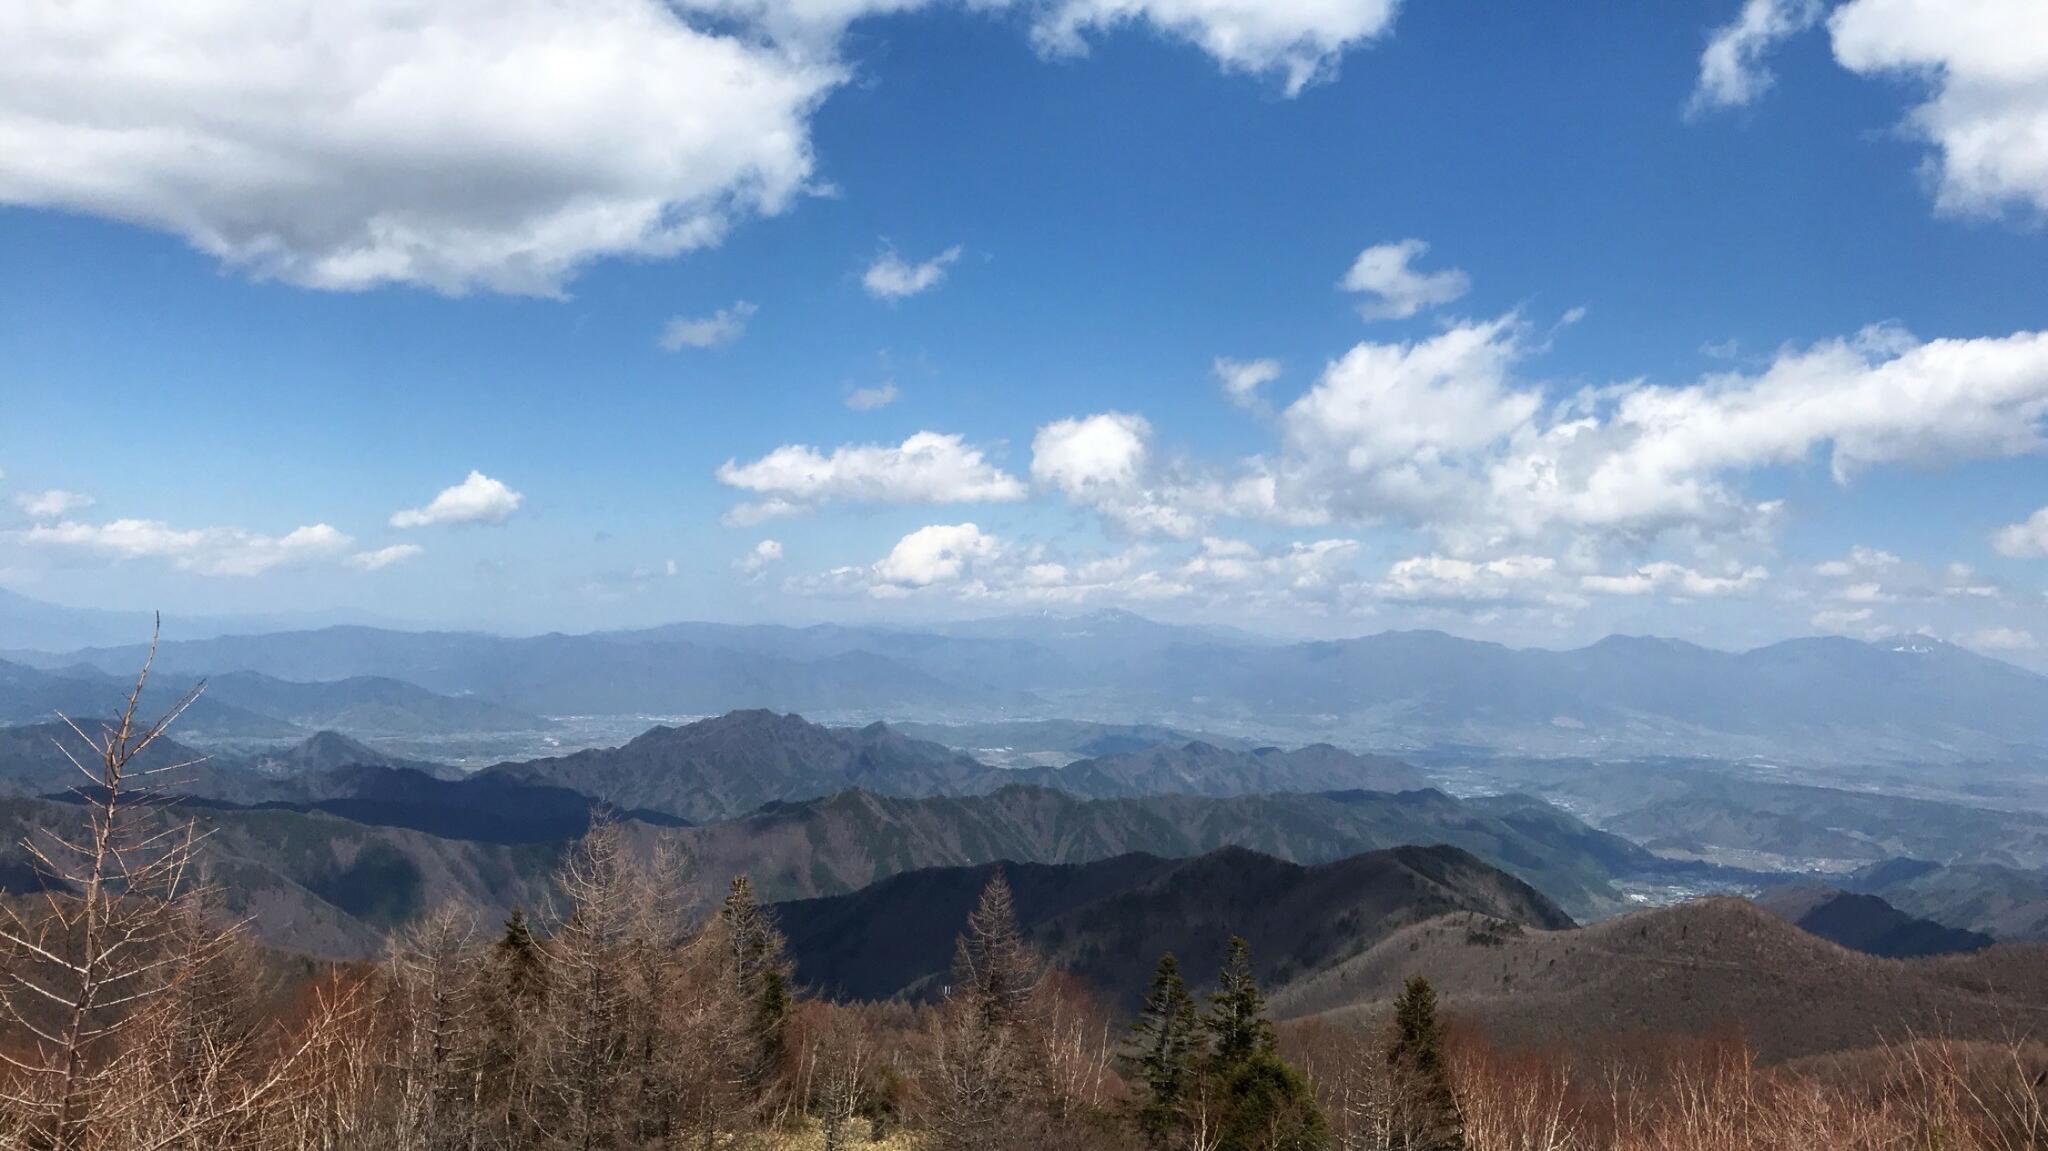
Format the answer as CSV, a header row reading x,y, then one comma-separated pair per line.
x,y
1298,40
1858,622
1100,462
938,553
927,468
479,499
1242,379
1985,66
759,558
52,504
381,558
1093,454
1397,290
1441,430
722,327
2000,639
891,277
1860,561
219,551
1438,578
453,144
872,399
1732,72
1446,436
1673,579
2027,539
494,145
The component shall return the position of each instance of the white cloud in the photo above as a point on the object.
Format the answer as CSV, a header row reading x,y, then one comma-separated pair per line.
x,y
890,277
1642,458
1401,427
1437,577
453,144
1860,560
927,468
1732,72
762,555
1300,40
939,553
385,557
1398,290
1985,63
2024,540
1858,622
722,327
479,499
1444,435
495,145
1100,462
218,551
1081,457
1673,579
873,399
2000,639
52,504
1242,379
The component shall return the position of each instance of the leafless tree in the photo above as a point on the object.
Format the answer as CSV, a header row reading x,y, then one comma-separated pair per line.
x,y
123,1011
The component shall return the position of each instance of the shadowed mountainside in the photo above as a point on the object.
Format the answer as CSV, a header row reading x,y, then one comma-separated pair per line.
x,y
849,840
1108,921
1866,923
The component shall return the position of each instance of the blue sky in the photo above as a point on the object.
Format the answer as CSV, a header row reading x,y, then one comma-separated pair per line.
x,y
1730,347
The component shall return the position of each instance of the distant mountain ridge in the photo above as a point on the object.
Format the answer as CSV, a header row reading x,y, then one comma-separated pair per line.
x,y
849,840
1831,699
1866,923
729,765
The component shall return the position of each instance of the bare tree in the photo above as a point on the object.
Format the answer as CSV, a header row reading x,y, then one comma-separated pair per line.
x,y
123,1018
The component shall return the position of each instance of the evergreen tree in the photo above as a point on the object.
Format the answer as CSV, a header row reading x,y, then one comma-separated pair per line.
x,y
520,963
1165,1041
1427,1116
760,968
1237,1014
515,993
1269,1106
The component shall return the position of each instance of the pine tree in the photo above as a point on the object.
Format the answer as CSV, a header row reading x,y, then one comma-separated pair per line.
x,y
1236,1022
1165,1041
1427,1116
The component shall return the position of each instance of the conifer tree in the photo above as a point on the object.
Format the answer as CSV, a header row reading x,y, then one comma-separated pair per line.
x,y
515,998
991,964
1236,1022
1165,1041
1427,1117
981,1072
760,968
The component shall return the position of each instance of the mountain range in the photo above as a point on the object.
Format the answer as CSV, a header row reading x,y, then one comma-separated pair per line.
x,y
730,765
1824,699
